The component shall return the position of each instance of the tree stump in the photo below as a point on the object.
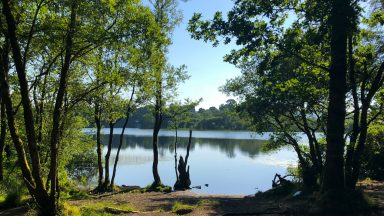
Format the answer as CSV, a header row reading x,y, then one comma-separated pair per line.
x,y
184,181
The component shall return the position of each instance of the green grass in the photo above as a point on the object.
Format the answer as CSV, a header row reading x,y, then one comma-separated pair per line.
x,y
105,209
159,188
207,202
182,208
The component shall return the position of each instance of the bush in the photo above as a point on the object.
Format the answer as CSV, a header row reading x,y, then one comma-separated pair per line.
x,y
14,192
372,165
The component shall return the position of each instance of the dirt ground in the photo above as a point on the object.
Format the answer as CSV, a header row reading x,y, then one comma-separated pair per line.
x,y
155,203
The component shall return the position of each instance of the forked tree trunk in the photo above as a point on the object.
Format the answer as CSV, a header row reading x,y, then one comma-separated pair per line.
x,y
184,180
333,179
377,82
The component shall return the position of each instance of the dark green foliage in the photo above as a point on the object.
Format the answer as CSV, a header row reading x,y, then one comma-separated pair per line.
x,y
351,202
82,166
157,188
14,191
224,118
373,157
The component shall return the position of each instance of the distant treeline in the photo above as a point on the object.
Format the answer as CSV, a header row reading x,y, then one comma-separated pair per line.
x,y
222,118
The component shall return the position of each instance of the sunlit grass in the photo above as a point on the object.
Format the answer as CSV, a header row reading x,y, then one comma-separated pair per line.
x,y
104,208
182,208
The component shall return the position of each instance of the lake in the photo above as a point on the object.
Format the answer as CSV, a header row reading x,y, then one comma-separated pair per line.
x,y
228,162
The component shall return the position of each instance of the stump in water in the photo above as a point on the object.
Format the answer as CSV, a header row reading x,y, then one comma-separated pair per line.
x,y
184,181
280,181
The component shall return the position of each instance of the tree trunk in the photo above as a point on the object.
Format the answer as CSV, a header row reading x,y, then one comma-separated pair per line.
x,y
108,155
177,175
24,91
57,112
333,179
98,143
129,109
2,138
366,102
184,180
37,191
156,129
359,148
356,116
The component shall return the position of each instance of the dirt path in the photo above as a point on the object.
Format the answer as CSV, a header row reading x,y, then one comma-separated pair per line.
x,y
155,203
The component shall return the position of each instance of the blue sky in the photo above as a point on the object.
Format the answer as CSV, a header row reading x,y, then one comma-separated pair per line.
x,y
204,63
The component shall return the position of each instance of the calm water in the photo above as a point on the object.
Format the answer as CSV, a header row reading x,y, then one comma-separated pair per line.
x,y
229,162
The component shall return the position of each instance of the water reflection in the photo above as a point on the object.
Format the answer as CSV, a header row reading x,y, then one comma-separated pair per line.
x,y
251,148
228,166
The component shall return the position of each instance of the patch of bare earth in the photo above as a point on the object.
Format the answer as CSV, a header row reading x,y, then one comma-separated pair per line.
x,y
155,203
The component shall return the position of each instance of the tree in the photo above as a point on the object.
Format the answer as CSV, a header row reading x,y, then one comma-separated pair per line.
x,y
263,32
176,113
166,17
49,45
366,78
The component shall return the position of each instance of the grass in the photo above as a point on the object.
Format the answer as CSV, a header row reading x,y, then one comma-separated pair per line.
x,y
182,208
160,188
78,194
104,209
70,210
208,202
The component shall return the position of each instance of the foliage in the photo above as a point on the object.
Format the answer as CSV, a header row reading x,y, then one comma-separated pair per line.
x,y
14,193
224,118
373,157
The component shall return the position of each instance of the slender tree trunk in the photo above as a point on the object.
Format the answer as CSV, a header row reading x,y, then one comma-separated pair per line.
x,y
98,143
57,112
312,150
333,179
156,129
356,116
2,138
359,148
129,109
366,102
108,155
41,110
176,140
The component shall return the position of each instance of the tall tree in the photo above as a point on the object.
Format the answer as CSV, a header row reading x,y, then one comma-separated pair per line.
x,y
46,32
166,17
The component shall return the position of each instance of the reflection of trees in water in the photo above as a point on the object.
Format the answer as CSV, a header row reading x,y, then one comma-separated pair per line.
x,y
227,146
